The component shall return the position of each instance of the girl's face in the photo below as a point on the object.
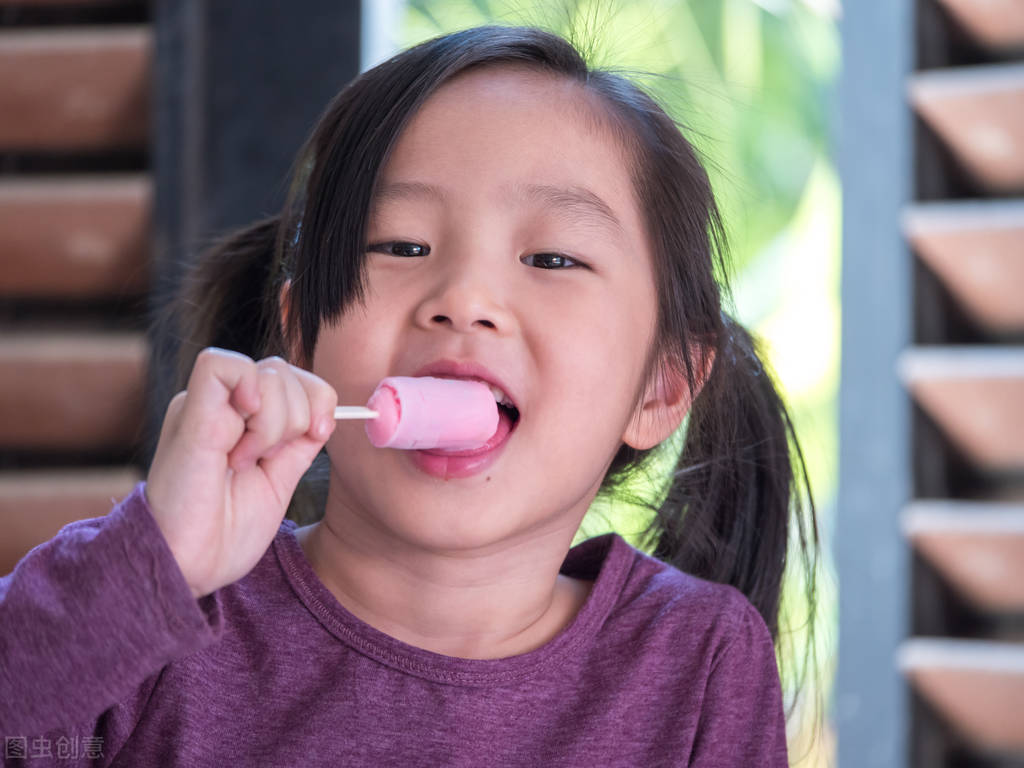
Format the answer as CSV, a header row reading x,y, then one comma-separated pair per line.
x,y
538,270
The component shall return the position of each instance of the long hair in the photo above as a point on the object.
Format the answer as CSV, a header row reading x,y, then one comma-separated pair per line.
x,y
740,483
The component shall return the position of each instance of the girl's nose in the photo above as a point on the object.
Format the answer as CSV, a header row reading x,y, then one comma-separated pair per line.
x,y
464,300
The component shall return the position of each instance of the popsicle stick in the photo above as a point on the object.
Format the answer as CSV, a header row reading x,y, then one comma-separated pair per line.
x,y
354,412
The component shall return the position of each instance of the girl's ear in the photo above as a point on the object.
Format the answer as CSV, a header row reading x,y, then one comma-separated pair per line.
x,y
666,401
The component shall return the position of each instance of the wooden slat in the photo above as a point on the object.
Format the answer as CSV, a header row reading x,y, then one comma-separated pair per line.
x,y
996,24
72,3
977,250
979,112
74,89
35,505
976,395
71,391
977,686
74,237
977,547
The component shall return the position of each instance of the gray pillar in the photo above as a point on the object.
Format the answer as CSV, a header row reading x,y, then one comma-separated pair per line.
x,y
875,480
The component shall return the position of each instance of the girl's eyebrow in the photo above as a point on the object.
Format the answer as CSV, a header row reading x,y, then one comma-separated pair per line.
x,y
576,202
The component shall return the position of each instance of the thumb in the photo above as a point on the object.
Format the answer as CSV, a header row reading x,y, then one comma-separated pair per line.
x,y
287,465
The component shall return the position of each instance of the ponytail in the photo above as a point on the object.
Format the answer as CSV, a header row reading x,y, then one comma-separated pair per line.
x,y
225,299
739,480
727,512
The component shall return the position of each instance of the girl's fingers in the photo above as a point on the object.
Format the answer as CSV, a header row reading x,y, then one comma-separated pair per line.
x,y
285,465
175,408
322,400
219,375
268,425
246,397
298,404
312,422
220,380
250,409
295,404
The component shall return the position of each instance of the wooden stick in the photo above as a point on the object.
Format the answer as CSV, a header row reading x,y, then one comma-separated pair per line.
x,y
354,412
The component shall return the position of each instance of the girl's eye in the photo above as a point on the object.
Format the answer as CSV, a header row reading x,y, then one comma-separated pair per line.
x,y
400,248
552,261
403,249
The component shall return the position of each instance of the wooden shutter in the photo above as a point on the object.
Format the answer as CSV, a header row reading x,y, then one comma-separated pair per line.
x,y
932,499
75,201
132,134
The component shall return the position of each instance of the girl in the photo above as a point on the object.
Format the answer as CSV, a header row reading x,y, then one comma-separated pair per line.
x,y
480,206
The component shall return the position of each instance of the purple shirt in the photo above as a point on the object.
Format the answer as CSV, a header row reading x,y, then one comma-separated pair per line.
x,y
105,654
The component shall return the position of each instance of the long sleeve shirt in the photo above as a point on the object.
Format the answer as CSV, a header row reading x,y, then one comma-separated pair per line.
x,y
106,659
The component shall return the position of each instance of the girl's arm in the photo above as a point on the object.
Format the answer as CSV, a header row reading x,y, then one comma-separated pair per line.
x,y
742,722
86,617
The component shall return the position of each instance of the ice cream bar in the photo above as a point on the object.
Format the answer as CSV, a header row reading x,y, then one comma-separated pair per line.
x,y
425,412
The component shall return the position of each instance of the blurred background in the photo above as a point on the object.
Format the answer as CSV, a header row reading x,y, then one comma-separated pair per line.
x,y
132,133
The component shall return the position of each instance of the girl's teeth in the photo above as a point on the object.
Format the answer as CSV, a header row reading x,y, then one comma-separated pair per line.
x,y
499,396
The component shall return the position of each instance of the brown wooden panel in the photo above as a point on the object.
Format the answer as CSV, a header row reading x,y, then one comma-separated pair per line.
x,y
74,237
74,89
977,250
977,686
996,24
979,112
71,391
35,505
977,547
83,3
976,395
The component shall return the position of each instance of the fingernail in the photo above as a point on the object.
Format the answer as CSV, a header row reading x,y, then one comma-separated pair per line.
x,y
325,427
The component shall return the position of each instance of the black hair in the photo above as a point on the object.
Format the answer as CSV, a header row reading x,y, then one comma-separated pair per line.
x,y
738,503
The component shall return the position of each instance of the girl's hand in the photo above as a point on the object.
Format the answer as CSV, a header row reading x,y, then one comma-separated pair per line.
x,y
232,449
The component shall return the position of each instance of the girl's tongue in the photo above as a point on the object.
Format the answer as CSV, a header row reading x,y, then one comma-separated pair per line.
x,y
504,427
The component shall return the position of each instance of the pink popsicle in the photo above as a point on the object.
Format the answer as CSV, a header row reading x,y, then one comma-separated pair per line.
x,y
426,412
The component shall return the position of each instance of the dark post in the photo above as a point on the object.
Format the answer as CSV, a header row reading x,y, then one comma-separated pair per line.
x,y
237,89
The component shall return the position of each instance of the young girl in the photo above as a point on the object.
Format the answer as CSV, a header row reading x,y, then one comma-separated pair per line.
x,y
480,206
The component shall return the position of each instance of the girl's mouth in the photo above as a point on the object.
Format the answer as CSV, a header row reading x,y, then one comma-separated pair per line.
x,y
508,417
457,464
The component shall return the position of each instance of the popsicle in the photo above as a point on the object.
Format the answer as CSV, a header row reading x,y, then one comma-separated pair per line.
x,y
426,412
